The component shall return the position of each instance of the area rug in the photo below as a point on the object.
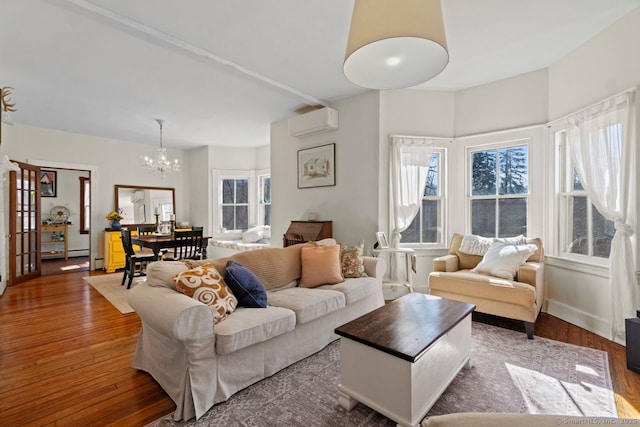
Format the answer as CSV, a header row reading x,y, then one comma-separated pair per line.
x,y
509,373
109,285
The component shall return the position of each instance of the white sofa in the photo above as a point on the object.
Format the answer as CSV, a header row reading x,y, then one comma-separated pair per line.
x,y
199,364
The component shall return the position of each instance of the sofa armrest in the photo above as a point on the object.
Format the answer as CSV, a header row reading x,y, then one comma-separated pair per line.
x,y
374,267
446,263
171,313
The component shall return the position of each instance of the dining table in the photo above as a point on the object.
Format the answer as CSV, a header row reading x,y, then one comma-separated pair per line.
x,y
158,242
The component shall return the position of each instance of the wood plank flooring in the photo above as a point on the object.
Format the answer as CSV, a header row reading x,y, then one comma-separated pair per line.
x,y
66,352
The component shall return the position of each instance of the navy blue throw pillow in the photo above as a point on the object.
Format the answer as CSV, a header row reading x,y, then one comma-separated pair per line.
x,y
245,285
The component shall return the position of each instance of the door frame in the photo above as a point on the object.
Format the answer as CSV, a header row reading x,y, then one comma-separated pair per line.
x,y
93,170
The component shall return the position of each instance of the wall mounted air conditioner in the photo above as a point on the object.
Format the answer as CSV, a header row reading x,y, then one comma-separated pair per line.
x,y
321,120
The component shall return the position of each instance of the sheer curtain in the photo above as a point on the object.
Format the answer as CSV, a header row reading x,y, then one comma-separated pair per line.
x,y
409,164
601,142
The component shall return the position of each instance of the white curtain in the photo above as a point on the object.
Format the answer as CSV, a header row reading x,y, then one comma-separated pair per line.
x,y
409,164
601,142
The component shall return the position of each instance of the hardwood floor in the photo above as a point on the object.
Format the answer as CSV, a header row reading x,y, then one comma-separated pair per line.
x,y
66,352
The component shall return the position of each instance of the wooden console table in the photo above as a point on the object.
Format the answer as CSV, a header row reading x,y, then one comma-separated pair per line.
x,y
52,248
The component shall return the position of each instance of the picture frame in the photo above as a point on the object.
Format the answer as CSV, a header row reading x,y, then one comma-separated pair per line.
x,y
48,183
383,243
317,166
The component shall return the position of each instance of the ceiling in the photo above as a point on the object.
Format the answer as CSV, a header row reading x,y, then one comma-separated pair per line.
x,y
220,71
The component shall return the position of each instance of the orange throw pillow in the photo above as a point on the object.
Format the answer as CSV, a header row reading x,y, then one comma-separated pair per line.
x,y
320,266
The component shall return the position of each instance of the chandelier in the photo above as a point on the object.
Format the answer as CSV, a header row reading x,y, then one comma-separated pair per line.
x,y
159,164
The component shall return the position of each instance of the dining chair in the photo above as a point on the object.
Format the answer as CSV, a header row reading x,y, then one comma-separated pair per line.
x,y
188,245
145,230
135,261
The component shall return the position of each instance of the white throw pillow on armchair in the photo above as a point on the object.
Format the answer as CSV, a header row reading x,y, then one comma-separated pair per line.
x,y
503,259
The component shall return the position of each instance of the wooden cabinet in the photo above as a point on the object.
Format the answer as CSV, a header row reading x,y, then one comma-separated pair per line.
x,y
55,241
307,231
114,256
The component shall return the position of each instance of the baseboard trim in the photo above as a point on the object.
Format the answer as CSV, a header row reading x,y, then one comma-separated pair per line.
x,y
579,318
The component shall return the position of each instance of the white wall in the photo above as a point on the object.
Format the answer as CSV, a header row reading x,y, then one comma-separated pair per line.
x,y
607,64
506,104
112,161
352,204
199,182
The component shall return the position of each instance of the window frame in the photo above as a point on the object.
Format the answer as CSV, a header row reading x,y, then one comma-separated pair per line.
x,y
254,193
490,146
261,203
222,205
85,205
442,207
563,180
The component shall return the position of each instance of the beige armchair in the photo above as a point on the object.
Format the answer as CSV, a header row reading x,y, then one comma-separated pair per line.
x,y
519,299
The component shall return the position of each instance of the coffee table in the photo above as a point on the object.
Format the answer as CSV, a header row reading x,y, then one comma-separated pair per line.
x,y
400,358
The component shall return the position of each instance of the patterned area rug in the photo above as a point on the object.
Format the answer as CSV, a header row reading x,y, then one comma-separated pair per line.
x,y
109,286
509,374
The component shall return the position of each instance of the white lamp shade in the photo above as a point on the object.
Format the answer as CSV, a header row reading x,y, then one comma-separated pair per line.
x,y
395,44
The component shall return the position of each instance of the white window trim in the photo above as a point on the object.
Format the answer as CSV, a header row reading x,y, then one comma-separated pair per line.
x,y
558,232
443,198
260,174
254,193
531,135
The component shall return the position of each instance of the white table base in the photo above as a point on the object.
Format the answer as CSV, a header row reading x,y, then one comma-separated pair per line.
x,y
401,390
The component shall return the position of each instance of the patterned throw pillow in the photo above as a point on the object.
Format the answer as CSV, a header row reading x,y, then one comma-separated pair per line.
x,y
206,285
351,260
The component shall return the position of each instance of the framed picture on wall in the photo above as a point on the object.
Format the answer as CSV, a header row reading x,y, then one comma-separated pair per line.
x,y
48,183
317,166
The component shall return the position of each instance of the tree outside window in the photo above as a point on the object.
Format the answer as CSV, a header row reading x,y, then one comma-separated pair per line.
x,y
499,191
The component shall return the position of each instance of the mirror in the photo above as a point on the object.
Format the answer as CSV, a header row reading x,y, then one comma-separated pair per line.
x,y
140,204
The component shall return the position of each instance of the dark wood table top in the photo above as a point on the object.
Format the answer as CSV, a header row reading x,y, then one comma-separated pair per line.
x,y
408,326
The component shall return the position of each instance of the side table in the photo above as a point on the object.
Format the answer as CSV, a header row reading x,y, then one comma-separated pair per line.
x,y
408,253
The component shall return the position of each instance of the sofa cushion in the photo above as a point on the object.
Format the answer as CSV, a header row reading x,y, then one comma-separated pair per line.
x,y
161,273
307,304
245,286
503,259
320,266
248,326
351,260
206,285
355,289
465,282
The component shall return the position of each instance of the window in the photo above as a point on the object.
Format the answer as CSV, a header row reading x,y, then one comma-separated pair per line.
x,y
85,205
584,231
427,226
265,200
499,190
235,203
